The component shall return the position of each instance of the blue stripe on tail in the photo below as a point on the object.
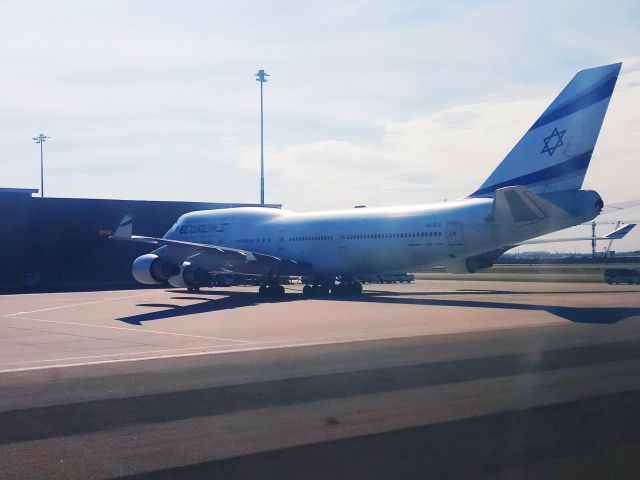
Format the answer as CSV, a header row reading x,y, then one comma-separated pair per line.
x,y
555,152
594,96
574,165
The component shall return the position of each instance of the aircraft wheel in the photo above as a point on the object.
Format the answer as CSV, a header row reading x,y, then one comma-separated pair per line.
x,y
307,291
262,291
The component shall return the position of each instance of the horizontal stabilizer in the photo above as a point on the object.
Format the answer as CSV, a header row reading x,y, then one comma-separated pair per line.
x,y
520,205
619,233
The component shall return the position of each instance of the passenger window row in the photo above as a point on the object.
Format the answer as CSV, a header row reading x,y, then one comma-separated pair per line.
x,y
311,238
390,235
354,236
253,240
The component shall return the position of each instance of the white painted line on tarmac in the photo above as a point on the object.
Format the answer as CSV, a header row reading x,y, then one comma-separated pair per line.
x,y
71,292
146,352
238,349
248,347
59,307
130,329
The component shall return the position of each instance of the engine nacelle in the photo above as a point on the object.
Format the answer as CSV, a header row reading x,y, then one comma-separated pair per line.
x,y
480,262
151,269
457,266
189,276
475,263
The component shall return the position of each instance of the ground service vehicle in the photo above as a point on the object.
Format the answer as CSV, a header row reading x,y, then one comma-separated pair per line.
x,y
622,275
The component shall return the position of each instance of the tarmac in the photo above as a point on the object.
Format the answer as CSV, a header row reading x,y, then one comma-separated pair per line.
x,y
437,379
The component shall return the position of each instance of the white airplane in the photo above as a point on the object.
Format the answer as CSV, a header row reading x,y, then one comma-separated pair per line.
x,y
534,191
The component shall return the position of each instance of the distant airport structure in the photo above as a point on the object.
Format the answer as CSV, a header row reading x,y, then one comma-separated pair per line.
x,y
62,242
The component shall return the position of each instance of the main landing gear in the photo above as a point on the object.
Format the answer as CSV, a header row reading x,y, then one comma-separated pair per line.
x,y
347,288
317,290
271,291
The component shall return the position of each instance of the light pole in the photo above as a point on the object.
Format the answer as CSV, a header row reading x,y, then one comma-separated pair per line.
x,y
41,139
262,79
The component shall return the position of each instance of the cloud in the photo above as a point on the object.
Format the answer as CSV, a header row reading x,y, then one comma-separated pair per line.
x,y
443,155
447,155
369,102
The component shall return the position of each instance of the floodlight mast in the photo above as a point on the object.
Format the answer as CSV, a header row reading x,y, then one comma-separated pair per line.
x,y
262,79
41,139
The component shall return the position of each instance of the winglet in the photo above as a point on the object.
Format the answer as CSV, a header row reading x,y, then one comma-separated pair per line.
x,y
619,233
125,229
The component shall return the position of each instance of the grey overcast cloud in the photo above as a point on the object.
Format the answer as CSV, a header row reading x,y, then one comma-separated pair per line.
x,y
369,102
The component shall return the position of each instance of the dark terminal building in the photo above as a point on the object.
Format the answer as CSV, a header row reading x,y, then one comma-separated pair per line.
x,y
63,242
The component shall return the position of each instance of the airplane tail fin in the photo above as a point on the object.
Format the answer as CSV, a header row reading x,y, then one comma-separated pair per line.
x,y
554,154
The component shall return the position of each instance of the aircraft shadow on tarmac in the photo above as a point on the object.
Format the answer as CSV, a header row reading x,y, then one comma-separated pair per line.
x,y
226,300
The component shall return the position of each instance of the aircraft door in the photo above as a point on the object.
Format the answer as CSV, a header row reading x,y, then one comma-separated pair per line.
x,y
281,241
455,235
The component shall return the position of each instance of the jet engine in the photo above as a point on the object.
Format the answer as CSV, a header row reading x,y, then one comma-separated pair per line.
x,y
189,276
152,269
475,263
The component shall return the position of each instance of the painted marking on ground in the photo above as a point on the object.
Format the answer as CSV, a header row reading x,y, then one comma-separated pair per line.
x,y
247,347
130,329
106,355
59,307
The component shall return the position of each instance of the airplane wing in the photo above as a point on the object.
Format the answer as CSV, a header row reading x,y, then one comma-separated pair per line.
x,y
617,234
250,261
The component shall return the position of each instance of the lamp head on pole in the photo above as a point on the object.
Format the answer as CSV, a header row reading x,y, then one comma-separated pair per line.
x,y
261,76
40,138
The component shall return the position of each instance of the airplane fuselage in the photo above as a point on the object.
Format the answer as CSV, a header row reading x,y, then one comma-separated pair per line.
x,y
365,240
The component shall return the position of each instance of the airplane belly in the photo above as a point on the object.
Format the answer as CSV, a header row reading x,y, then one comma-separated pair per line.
x,y
356,259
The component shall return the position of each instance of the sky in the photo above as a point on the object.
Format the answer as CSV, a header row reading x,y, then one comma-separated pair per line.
x,y
369,102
